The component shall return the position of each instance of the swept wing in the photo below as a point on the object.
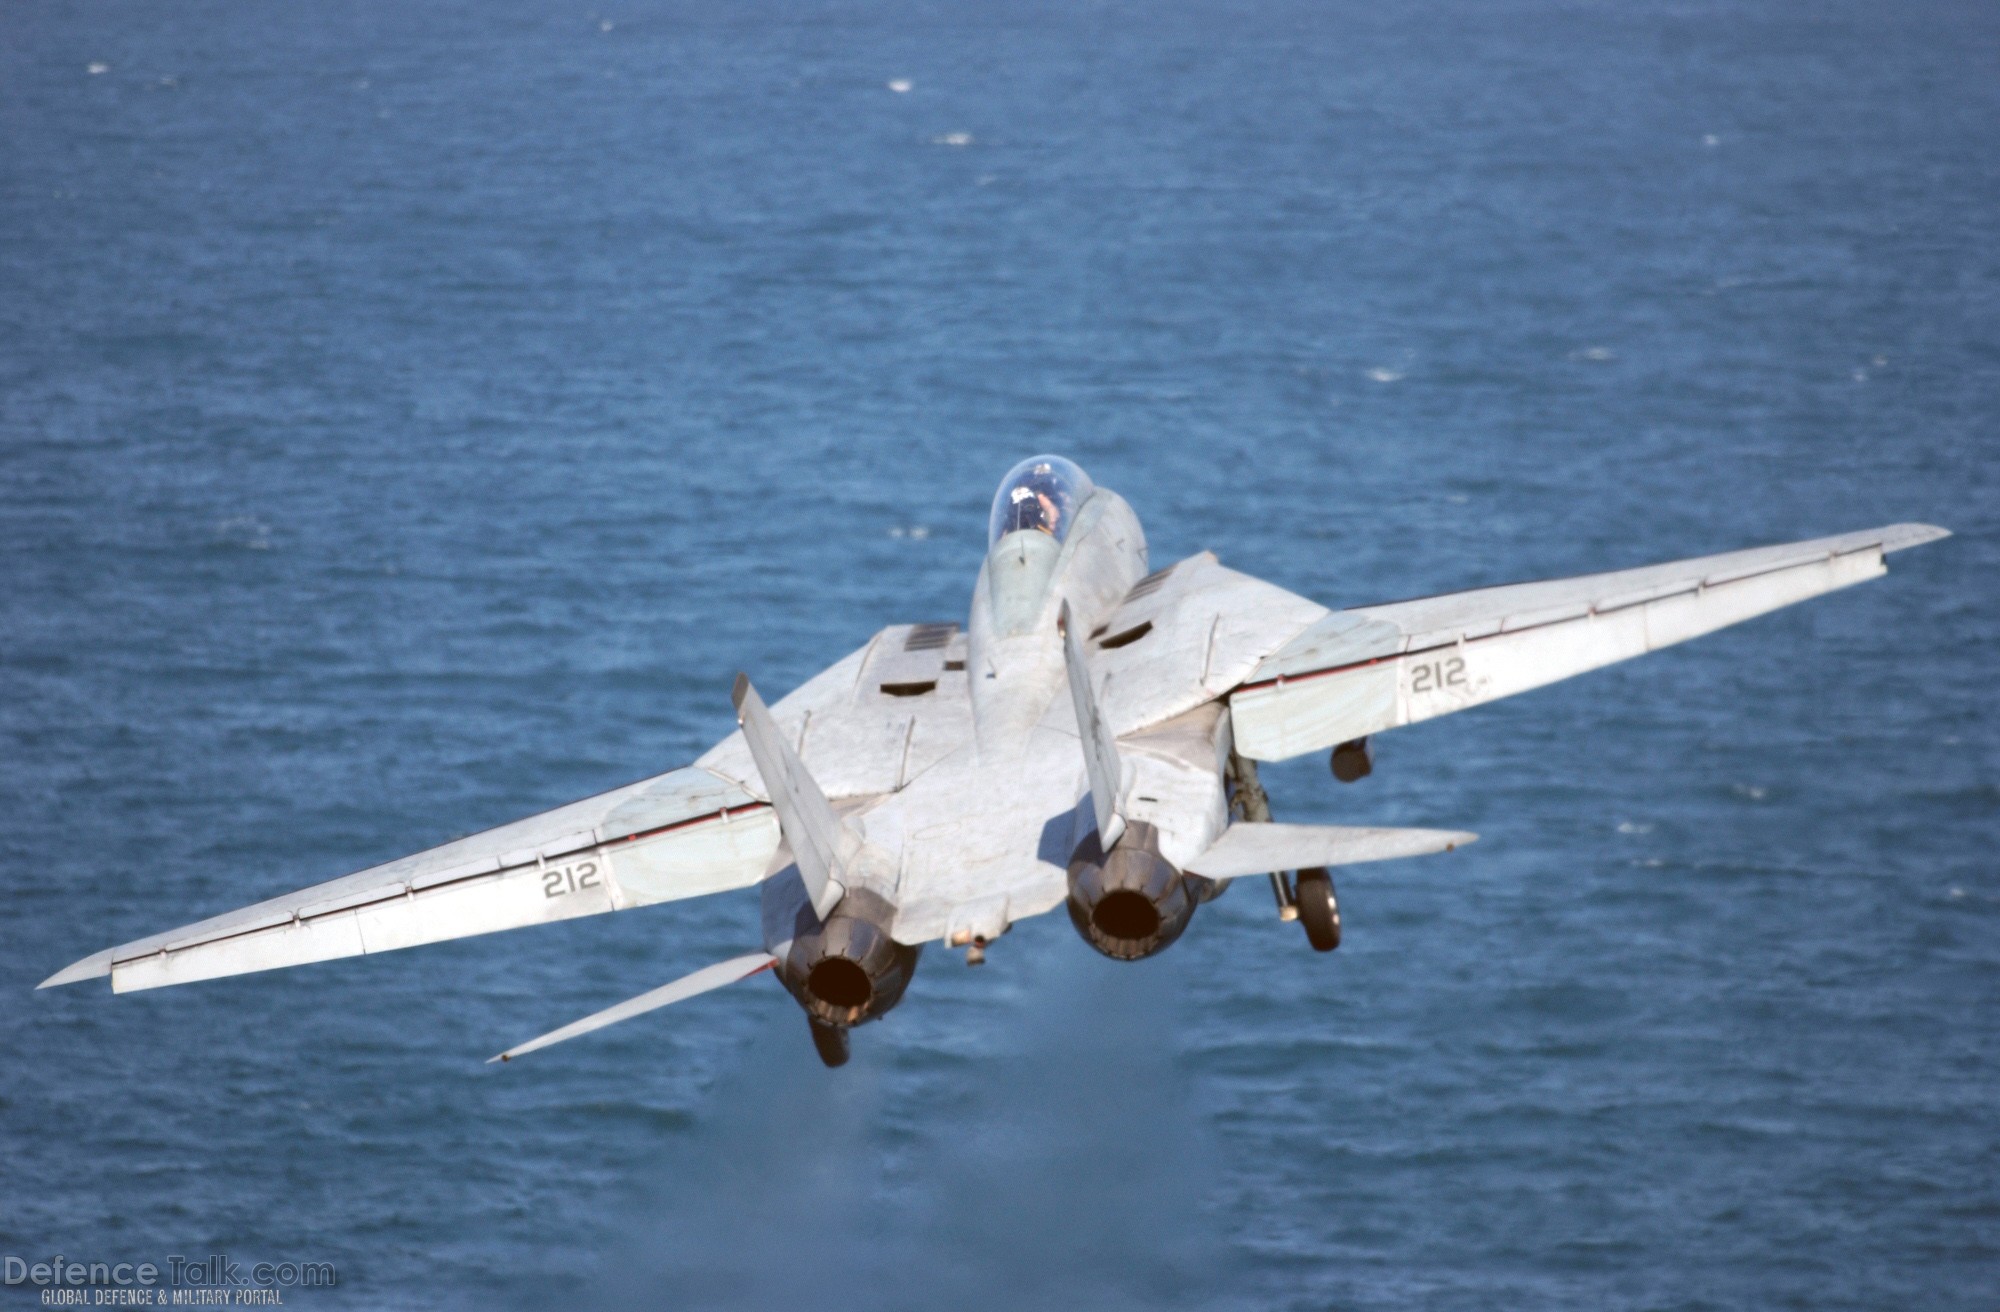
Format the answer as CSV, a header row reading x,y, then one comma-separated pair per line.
x,y
1357,672
680,834
705,828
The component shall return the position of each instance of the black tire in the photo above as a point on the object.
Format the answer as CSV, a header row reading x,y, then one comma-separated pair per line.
x,y
1319,910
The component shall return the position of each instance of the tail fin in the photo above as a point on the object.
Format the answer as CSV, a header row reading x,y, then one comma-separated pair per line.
x,y
805,817
1100,749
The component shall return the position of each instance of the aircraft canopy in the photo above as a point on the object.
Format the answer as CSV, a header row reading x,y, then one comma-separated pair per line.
x,y
1042,492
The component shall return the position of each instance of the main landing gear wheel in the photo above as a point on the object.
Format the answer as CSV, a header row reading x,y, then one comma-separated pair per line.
x,y
1319,910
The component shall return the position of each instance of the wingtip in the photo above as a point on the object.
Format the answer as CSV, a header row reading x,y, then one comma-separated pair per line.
x,y
739,692
505,1056
95,966
1900,537
1459,840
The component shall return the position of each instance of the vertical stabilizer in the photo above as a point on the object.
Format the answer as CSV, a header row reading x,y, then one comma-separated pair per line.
x,y
1100,751
804,815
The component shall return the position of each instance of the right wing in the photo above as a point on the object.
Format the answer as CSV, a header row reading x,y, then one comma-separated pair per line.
x,y
1361,671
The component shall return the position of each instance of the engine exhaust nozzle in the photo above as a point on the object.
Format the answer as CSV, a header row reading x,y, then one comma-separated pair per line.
x,y
1131,902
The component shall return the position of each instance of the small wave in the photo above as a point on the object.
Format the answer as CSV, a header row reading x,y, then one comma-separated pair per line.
x,y
246,531
900,85
1384,375
953,139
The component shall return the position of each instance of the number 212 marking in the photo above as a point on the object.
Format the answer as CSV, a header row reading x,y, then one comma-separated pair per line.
x,y
560,881
1435,676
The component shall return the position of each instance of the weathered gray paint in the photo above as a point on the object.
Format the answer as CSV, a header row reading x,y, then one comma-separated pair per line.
x,y
933,786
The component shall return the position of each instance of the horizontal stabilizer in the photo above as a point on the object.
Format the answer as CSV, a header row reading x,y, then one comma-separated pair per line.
x,y
688,986
1250,848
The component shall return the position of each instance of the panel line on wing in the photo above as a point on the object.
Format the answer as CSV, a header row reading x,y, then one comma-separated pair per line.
x,y
1825,553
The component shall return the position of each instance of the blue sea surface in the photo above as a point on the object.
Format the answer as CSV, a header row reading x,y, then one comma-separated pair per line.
x,y
412,415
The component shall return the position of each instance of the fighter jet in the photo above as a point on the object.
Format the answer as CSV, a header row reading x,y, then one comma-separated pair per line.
x,y
1088,740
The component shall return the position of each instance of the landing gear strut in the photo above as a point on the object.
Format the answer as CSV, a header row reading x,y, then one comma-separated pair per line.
x,y
1319,910
1308,898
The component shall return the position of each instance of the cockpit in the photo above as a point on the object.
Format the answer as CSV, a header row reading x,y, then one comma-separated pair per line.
x,y
1041,493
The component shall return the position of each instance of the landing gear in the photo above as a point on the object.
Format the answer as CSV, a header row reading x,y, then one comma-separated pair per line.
x,y
1319,910
1281,889
830,1041
1308,898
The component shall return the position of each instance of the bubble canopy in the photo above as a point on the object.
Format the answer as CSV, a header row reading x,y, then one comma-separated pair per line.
x,y
1042,493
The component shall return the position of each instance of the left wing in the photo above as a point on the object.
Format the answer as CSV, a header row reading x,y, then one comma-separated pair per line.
x,y
863,725
680,834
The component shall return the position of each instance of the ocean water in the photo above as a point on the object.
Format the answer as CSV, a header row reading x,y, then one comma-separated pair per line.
x,y
412,415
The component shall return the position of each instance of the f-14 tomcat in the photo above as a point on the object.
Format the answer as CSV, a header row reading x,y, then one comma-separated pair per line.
x,y
1089,741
